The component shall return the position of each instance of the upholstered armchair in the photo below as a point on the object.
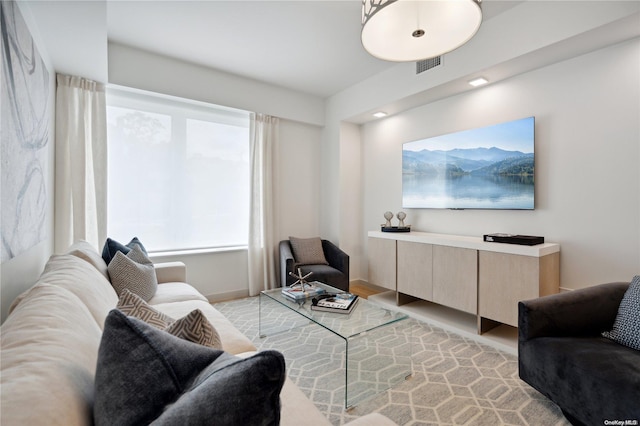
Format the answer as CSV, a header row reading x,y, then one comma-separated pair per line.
x,y
329,264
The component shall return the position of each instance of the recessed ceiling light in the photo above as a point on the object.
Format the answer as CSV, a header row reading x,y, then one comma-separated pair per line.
x,y
478,81
380,114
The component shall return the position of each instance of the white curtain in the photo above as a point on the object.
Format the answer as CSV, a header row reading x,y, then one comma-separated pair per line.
x,y
81,162
262,219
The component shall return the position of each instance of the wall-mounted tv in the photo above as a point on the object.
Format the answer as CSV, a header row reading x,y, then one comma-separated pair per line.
x,y
484,168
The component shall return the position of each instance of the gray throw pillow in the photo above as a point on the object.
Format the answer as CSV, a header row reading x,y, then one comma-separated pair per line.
x,y
194,327
147,376
111,247
626,327
308,251
135,272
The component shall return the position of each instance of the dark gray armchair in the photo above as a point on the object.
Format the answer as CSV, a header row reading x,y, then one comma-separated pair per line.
x,y
335,274
562,354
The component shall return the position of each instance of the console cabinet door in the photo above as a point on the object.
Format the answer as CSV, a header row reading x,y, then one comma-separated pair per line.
x,y
505,279
382,262
455,278
415,269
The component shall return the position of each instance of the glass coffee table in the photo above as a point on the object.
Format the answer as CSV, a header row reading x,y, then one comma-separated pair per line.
x,y
377,341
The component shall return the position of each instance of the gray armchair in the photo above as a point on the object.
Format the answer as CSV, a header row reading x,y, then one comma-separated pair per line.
x,y
335,274
562,354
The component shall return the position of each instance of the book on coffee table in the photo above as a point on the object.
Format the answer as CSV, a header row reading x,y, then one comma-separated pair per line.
x,y
296,293
338,304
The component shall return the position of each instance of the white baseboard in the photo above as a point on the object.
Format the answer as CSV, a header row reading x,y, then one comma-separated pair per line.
x,y
229,295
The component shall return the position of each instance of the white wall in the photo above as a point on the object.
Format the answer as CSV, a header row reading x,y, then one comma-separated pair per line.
x,y
587,114
144,70
21,272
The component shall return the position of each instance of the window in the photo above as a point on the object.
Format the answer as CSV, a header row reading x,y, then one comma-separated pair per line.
x,y
178,172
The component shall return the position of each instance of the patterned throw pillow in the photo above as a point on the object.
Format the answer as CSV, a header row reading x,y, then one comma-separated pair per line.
x,y
308,251
626,328
194,327
133,271
133,306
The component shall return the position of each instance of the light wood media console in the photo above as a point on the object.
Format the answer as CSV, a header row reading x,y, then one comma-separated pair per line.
x,y
464,273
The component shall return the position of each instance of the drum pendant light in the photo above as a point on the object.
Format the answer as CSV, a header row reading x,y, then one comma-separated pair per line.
x,y
412,30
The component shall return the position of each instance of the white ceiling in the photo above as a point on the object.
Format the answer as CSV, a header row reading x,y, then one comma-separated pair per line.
x,y
308,46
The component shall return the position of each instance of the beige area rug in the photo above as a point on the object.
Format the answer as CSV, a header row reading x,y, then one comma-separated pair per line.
x,y
455,381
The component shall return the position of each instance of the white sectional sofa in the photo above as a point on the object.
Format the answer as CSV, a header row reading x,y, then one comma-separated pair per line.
x,y
50,341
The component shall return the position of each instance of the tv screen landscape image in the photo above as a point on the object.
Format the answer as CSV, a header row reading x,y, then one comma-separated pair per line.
x,y
484,168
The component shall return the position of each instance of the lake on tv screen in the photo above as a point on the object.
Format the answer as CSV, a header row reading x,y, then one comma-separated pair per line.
x,y
467,192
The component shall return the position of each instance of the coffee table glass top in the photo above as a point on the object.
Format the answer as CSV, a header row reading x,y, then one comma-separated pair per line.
x,y
366,316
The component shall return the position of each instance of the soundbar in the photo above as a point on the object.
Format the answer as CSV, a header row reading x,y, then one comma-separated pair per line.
x,y
525,240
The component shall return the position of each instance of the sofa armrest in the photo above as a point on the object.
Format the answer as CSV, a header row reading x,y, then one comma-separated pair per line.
x,y
287,263
336,257
168,272
584,312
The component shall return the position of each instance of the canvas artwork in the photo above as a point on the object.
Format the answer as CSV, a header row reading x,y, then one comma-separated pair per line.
x,y
24,130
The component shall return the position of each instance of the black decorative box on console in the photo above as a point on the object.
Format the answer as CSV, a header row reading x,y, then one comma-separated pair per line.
x,y
395,228
525,240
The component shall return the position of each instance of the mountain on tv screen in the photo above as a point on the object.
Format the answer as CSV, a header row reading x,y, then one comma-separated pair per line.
x,y
485,168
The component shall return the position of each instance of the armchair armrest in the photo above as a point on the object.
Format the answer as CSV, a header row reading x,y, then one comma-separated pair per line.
x,y
584,312
336,257
286,263
171,272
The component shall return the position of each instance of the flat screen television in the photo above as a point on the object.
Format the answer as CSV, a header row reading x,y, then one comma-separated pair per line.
x,y
484,168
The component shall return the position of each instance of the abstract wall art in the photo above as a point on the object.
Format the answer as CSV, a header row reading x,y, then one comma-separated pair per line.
x,y
25,114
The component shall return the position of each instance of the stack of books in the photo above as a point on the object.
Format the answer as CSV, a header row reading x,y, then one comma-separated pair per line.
x,y
297,293
342,304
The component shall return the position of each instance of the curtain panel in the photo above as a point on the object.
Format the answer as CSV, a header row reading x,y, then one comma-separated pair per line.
x,y
81,162
262,217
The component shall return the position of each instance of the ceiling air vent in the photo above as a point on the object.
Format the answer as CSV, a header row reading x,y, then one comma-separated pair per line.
x,y
427,64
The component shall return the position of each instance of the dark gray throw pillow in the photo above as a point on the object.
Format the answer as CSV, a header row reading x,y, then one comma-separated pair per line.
x,y
147,376
626,327
111,247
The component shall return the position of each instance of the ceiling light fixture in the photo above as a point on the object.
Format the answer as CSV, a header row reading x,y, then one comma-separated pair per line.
x,y
412,30
478,81
379,114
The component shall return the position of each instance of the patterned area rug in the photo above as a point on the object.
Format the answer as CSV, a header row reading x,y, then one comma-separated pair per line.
x,y
455,381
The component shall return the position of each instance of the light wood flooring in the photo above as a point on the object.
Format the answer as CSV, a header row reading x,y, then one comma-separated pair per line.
x,y
364,290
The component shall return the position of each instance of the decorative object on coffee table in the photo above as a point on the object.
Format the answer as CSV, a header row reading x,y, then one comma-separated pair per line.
x,y
301,280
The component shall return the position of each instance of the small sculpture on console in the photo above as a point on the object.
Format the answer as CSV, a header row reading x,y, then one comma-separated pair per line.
x,y
401,217
388,216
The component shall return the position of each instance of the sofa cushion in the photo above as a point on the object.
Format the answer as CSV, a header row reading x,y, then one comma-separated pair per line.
x,y
194,327
233,341
83,280
86,252
135,272
308,251
177,382
49,352
111,247
626,327
175,292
